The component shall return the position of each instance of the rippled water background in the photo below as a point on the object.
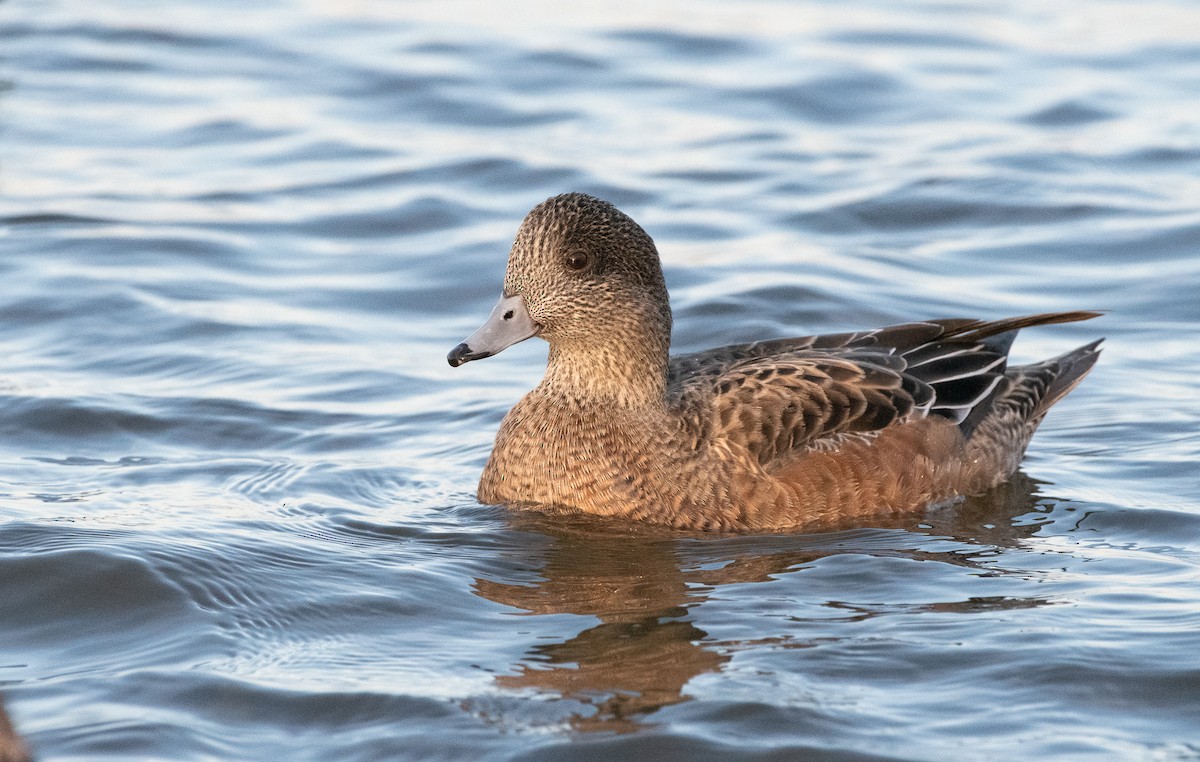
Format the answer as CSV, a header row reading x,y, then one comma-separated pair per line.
x,y
236,474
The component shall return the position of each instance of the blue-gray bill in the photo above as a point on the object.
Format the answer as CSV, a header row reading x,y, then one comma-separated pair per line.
x,y
508,324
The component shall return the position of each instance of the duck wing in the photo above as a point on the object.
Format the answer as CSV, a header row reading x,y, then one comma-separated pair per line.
x,y
780,397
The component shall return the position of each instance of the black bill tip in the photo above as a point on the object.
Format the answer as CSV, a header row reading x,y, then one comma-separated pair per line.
x,y
462,354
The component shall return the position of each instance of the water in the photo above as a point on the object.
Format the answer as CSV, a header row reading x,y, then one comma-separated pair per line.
x,y
236,474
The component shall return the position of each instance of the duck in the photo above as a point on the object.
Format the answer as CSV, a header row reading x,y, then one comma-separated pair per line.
x,y
784,434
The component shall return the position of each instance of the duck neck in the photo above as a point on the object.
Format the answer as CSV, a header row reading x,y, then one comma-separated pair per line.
x,y
627,371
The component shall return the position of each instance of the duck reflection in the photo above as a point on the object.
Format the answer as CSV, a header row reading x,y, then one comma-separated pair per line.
x,y
645,648
643,584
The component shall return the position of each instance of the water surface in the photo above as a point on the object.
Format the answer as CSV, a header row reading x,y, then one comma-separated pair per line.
x,y
237,514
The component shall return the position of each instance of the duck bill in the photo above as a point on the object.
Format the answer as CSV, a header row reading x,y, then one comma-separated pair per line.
x,y
508,324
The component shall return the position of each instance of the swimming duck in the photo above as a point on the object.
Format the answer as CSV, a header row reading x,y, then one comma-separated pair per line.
x,y
785,434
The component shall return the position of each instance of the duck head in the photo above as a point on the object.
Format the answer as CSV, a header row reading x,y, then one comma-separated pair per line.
x,y
583,276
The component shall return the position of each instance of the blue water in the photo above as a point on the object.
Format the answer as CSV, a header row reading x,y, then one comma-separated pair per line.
x,y
237,514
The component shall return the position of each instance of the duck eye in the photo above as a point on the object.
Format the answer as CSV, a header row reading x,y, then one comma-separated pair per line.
x,y
576,260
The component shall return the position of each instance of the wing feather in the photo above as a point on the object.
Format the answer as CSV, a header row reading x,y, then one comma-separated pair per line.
x,y
783,396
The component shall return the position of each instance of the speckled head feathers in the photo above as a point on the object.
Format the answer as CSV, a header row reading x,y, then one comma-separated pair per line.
x,y
584,269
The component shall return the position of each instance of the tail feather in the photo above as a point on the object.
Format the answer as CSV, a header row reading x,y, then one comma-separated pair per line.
x,y
1059,374
967,368
982,330
1017,408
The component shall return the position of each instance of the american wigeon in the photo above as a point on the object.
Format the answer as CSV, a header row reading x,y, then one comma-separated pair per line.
x,y
797,433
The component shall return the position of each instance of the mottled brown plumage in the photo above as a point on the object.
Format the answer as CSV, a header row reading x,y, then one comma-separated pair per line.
x,y
797,433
